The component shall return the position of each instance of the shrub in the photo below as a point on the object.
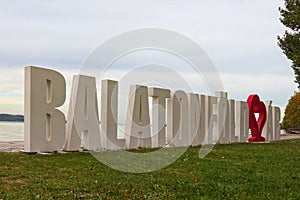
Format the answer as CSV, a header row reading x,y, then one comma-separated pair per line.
x,y
291,117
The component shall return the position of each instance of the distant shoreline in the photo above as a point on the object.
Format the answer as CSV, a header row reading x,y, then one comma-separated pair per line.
x,y
11,118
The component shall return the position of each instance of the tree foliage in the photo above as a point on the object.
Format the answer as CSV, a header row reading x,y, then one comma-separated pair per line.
x,y
290,41
292,112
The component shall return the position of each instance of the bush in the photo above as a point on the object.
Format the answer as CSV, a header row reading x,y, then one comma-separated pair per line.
x,y
291,117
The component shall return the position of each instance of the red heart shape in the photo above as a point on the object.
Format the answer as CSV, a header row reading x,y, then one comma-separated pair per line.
x,y
256,106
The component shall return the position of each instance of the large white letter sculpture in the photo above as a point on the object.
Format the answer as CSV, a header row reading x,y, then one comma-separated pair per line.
x,y
159,115
178,127
276,124
210,119
137,130
194,120
222,125
271,130
83,120
109,115
242,121
231,109
44,127
267,131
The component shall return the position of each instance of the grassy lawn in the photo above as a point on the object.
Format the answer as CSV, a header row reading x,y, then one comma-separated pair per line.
x,y
236,171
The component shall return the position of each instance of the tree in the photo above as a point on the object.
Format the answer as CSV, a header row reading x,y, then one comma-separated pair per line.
x,y
290,42
291,117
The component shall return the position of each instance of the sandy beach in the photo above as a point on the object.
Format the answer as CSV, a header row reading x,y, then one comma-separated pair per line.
x,y
11,146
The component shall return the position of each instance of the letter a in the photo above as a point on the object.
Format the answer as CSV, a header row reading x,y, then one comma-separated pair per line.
x,y
137,130
83,118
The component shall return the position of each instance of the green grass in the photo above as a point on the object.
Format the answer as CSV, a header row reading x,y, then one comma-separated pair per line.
x,y
236,171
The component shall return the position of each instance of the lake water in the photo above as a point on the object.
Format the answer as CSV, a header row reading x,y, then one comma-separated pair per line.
x,y
11,131
14,131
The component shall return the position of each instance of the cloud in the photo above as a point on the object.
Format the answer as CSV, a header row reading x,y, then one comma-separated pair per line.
x,y
11,81
277,88
239,36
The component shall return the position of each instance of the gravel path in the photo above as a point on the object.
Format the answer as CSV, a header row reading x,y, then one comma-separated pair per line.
x,y
289,136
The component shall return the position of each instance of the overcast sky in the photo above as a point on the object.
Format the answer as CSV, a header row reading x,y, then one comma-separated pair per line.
x,y
240,37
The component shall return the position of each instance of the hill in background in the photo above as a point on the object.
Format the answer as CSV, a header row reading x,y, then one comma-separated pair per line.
x,y
11,118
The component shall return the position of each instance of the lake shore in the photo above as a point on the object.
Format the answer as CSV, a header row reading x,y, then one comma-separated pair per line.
x,y
18,146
